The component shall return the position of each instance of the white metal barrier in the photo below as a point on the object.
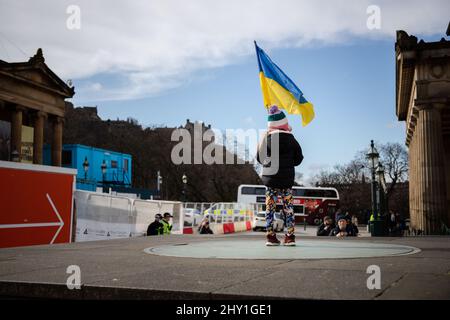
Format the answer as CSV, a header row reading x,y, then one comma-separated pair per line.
x,y
144,214
105,216
225,213
198,209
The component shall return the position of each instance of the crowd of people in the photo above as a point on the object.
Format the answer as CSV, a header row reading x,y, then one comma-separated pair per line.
x,y
343,225
346,226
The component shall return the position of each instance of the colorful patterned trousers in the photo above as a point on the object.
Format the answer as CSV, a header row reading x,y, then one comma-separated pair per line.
x,y
288,208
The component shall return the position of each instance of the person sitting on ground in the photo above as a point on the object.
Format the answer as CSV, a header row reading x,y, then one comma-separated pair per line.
x,y
352,225
343,229
204,227
167,227
155,228
326,227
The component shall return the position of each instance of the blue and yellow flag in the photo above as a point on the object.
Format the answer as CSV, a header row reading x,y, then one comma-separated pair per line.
x,y
278,89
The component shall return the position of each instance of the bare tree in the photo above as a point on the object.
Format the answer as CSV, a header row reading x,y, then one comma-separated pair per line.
x,y
326,178
351,172
350,178
298,178
394,158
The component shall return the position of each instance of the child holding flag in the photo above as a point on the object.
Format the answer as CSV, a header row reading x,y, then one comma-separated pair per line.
x,y
279,152
279,147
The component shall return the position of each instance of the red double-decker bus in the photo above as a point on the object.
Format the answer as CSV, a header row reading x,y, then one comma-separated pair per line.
x,y
310,204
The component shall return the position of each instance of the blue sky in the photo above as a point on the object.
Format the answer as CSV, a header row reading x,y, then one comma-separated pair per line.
x,y
165,61
351,87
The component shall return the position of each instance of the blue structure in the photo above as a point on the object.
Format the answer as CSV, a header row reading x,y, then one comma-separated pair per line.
x,y
105,168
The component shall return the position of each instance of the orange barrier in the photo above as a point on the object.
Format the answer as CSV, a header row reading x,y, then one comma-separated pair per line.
x,y
228,228
36,204
188,230
223,228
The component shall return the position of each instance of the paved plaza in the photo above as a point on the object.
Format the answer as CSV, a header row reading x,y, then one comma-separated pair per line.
x,y
231,266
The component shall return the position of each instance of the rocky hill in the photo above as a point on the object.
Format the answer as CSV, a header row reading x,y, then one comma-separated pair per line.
x,y
151,151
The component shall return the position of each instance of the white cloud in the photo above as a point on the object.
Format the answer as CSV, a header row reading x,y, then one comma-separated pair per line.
x,y
311,170
152,46
249,122
394,124
96,86
317,167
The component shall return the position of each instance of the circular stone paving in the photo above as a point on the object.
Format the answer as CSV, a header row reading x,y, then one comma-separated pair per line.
x,y
305,249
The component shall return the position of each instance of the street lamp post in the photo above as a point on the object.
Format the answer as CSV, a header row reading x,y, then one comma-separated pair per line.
x,y
373,157
381,189
158,183
380,174
184,179
85,167
103,167
15,156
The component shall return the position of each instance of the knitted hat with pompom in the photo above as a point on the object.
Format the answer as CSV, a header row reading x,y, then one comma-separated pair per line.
x,y
276,120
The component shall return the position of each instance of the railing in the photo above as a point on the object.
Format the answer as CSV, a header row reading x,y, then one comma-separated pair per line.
x,y
105,216
223,217
226,212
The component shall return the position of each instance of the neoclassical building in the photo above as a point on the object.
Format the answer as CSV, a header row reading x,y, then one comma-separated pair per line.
x,y
30,95
423,102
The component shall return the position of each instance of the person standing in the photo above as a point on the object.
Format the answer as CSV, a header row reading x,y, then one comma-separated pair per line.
x,y
167,227
279,153
392,222
155,228
338,214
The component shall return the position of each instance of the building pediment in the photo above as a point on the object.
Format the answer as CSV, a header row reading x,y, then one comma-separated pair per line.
x,y
423,66
32,84
36,72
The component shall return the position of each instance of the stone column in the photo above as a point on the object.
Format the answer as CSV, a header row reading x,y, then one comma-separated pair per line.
x,y
38,136
57,141
412,183
412,134
416,180
419,166
415,183
431,175
447,173
16,131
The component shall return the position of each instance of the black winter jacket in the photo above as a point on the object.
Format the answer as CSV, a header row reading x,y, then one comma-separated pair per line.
x,y
289,156
155,228
205,230
349,230
321,231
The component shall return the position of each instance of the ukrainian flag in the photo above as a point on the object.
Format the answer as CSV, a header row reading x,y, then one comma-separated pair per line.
x,y
278,89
